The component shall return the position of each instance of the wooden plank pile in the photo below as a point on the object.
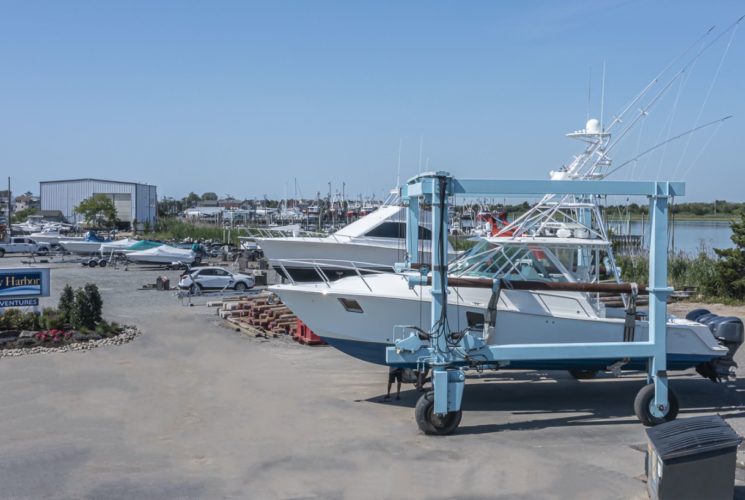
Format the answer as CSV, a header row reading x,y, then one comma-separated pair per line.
x,y
261,315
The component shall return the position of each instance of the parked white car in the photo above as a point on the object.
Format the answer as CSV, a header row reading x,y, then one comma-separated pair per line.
x,y
23,245
215,278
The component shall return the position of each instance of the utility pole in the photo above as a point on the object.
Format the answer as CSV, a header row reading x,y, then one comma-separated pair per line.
x,y
9,230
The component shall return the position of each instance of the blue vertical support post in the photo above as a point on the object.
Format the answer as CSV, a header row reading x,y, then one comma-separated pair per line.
x,y
659,292
447,383
583,258
439,280
412,231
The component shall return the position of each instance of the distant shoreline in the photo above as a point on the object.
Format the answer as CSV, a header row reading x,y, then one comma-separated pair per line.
x,y
681,218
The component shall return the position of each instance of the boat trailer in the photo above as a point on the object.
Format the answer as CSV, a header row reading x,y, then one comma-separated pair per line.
x,y
448,353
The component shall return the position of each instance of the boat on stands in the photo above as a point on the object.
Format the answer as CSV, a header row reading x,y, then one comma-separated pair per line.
x,y
378,240
561,244
88,245
164,255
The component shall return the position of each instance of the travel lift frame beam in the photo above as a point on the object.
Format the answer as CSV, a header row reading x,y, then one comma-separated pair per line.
x,y
439,413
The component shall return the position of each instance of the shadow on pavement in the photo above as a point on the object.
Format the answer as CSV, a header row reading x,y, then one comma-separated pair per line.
x,y
555,399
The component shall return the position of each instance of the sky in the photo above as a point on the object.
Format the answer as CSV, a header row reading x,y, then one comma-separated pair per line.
x,y
250,99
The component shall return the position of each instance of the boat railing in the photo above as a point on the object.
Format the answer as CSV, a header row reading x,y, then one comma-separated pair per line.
x,y
318,265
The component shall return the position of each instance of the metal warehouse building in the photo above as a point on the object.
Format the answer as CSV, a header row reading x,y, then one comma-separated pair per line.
x,y
133,201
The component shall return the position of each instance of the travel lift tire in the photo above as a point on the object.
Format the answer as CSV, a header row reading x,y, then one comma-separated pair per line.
x,y
431,423
581,374
643,406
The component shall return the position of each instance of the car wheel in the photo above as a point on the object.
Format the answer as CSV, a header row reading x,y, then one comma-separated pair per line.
x,y
195,288
42,251
240,287
2,252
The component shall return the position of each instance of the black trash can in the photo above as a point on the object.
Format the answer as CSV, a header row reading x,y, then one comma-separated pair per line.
x,y
692,458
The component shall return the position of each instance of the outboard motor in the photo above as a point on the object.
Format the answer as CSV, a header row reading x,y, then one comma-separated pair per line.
x,y
729,332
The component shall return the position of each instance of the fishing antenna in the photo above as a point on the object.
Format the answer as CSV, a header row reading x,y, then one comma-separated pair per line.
x,y
589,94
683,134
645,110
421,146
619,118
398,169
602,98
711,87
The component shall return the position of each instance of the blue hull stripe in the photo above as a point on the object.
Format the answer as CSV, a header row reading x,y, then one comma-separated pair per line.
x,y
375,353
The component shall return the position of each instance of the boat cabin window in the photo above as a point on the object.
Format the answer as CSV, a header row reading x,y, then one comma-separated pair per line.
x,y
516,262
392,229
475,320
351,305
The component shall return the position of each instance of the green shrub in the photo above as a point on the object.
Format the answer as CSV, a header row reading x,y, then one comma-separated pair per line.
x,y
104,329
93,296
66,304
51,319
730,268
15,319
82,313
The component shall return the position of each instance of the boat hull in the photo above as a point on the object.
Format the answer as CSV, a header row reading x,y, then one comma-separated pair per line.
x,y
522,318
81,247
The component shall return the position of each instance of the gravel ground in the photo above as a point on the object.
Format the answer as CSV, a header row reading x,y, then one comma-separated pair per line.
x,y
190,409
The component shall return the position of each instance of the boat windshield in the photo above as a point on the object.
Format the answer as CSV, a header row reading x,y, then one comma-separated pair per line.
x,y
514,261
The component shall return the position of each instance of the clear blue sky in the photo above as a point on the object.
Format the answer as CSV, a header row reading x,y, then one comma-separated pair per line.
x,y
242,97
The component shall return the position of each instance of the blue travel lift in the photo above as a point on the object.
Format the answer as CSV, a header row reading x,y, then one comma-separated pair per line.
x,y
439,411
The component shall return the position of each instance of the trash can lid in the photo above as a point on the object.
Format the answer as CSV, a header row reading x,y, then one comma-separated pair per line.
x,y
692,436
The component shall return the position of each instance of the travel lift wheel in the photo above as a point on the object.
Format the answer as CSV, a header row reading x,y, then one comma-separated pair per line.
x,y
431,423
644,402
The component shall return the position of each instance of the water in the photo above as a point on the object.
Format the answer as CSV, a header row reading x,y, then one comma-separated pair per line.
x,y
688,236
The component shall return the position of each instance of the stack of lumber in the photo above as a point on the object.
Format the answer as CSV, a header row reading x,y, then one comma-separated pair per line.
x,y
261,315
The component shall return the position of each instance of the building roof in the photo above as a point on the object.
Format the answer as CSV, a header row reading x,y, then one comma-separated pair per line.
x,y
94,180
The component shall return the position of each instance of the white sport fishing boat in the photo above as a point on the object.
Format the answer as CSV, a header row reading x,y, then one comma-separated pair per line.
x,y
378,240
560,240
163,255
359,315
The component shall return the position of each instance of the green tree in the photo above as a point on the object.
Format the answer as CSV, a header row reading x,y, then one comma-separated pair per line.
x,y
98,210
93,297
209,196
730,267
66,304
191,199
83,313
22,215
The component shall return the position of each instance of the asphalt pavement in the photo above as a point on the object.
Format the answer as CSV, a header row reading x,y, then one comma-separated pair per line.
x,y
192,409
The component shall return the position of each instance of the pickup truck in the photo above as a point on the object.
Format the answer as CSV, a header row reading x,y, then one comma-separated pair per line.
x,y
23,245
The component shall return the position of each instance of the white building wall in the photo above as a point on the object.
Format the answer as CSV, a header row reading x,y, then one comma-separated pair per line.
x,y
66,195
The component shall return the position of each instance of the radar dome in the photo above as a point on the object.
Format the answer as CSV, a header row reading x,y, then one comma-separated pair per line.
x,y
592,126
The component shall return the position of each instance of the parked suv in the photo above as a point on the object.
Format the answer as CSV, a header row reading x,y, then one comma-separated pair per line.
x,y
23,245
214,278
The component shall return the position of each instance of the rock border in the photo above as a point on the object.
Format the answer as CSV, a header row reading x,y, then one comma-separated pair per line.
x,y
128,335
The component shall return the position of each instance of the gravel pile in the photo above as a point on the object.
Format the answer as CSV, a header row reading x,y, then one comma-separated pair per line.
x,y
127,335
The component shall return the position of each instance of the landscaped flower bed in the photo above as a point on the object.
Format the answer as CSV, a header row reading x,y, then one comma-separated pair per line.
x,y
76,324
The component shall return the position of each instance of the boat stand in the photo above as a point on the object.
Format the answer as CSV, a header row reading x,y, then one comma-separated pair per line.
x,y
448,353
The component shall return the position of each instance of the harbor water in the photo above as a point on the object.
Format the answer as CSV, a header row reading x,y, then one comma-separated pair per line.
x,y
689,237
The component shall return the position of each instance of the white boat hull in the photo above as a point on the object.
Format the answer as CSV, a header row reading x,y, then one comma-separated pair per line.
x,y
162,255
81,247
522,318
